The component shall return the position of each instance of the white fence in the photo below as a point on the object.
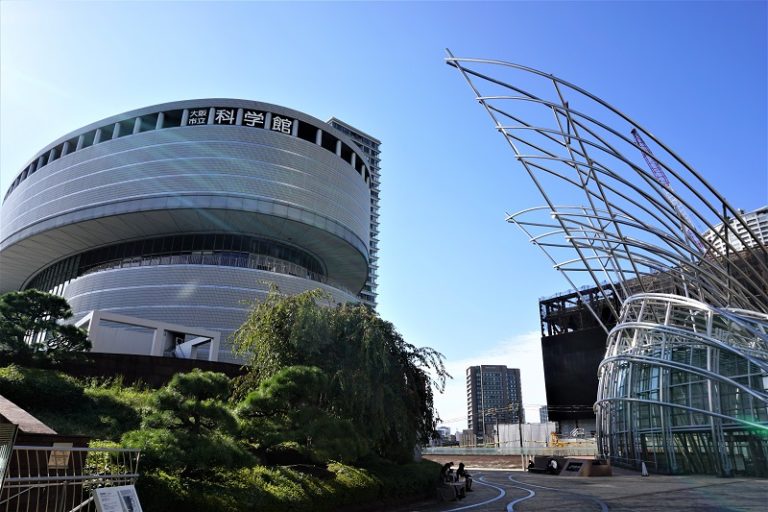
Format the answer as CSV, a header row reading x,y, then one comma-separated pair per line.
x,y
7,438
534,435
588,448
60,479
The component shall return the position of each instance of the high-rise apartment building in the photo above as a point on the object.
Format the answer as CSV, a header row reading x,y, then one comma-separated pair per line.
x,y
494,396
756,221
370,148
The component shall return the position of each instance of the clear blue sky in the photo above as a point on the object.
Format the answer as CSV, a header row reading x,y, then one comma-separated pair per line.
x,y
453,274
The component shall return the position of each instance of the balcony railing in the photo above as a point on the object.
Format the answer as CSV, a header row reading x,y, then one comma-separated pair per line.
x,y
53,479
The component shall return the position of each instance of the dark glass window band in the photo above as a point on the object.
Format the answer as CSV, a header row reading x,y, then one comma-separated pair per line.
x,y
209,249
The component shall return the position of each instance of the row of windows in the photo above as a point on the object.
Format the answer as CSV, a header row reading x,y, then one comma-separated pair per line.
x,y
370,150
209,249
195,117
357,137
188,244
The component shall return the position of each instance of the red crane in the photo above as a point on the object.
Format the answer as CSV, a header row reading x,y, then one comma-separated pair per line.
x,y
666,189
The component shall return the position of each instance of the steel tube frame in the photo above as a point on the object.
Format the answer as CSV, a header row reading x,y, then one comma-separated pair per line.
x,y
632,235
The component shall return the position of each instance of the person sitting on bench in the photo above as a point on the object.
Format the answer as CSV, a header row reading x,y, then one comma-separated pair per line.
x,y
552,467
447,479
445,471
462,473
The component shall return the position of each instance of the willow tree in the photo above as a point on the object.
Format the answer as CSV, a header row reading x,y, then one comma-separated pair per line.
x,y
377,381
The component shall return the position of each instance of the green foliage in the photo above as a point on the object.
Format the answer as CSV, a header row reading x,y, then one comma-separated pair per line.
x,y
287,453
70,406
193,402
288,417
188,427
28,315
160,490
40,389
103,463
231,481
377,382
287,488
288,389
400,481
116,406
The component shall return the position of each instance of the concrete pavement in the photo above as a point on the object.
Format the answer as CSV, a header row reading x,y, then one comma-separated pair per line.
x,y
625,491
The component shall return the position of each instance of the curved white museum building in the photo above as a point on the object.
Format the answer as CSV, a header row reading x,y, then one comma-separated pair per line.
x,y
175,218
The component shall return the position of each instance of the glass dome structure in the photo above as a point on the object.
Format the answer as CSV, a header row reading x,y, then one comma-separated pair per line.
x,y
683,386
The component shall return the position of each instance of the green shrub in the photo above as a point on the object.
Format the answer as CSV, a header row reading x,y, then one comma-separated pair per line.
x,y
344,361
282,488
72,407
159,490
40,390
287,410
355,485
287,453
231,482
406,480
189,428
34,312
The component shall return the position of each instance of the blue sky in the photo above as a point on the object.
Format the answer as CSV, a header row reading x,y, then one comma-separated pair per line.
x,y
453,274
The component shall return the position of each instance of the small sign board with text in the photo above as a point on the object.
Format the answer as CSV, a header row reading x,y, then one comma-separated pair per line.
x,y
117,499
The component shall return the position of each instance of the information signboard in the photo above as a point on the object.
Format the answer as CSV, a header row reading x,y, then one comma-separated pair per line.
x,y
117,499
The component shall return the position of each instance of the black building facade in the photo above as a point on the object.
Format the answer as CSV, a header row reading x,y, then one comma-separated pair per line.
x,y
572,345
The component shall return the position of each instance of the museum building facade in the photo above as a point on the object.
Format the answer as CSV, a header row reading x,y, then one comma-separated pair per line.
x,y
175,218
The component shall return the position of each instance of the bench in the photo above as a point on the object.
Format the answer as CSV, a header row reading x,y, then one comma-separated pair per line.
x,y
448,491
541,463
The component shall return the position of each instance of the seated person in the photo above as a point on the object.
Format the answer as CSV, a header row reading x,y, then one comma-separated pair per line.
x,y
531,465
446,472
552,467
447,478
462,473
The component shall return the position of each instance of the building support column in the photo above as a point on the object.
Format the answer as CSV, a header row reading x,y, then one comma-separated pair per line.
x,y
158,342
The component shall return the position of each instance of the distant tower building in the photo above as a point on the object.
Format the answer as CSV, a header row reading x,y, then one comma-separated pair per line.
x,y
757,221
543,414
494,396
370,148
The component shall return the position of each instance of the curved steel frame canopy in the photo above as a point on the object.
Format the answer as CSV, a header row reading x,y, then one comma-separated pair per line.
x,y
686,368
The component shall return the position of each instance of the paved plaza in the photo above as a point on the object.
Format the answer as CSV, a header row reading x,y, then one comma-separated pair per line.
x,y
625,491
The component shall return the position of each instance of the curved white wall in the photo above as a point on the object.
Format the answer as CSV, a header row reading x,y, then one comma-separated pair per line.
x,y
190,179
211,297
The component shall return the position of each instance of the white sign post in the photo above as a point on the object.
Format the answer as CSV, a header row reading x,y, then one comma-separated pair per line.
x,y
117,499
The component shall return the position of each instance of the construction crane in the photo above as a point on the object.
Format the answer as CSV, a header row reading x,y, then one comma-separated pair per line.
x,y
666,189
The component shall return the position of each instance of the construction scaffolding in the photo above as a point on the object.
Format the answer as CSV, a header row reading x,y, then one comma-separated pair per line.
x,y
576,310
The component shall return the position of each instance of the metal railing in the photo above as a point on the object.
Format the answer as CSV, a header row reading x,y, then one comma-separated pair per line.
x,y
60,479
587,449
7,438
242,260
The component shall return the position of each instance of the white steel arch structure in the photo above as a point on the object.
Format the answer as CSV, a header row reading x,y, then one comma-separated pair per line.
x,y
684,383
